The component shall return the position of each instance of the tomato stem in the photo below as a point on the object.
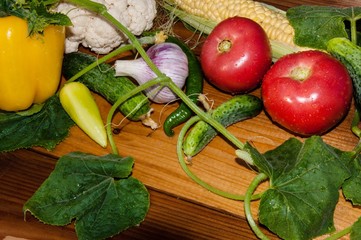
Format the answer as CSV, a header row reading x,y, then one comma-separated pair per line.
x,y
224,46
300,73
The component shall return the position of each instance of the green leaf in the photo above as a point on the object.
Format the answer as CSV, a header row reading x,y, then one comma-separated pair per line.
x,y
304,183
5,6
45,128
315,25
98,192
36,12
273,163
352,186
356,230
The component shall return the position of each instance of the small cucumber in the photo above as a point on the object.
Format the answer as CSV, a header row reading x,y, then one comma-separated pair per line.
x,y
350,55
236,109
101,80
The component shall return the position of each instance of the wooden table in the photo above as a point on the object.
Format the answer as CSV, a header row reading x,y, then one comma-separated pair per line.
x,y
180,208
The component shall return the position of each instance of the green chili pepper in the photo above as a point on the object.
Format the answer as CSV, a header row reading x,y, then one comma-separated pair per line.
x,y
194,86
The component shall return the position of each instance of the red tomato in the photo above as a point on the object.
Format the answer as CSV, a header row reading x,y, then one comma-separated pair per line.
x,y
236,55
307,92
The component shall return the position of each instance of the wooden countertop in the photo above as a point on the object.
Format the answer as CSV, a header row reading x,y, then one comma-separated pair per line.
x,y
180,208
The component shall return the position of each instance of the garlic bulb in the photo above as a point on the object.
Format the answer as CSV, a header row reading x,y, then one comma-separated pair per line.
x,y
169,58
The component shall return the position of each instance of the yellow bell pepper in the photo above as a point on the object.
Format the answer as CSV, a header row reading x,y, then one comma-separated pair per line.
x,y
30,66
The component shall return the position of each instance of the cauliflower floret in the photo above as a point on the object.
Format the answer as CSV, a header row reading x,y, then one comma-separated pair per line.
x,y
96,33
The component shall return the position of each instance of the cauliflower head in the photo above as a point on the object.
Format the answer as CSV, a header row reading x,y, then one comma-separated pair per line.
x,y
96,33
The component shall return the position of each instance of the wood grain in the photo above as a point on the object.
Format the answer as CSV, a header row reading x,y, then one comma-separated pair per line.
x,y
180,208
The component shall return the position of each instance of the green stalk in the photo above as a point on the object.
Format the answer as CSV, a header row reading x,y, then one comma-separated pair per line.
x,y
185,168
166,81
357,149
158,80
339,234
247,205
135,43
353,27
102,10
114,53
353,32
354,124
204,116
101,60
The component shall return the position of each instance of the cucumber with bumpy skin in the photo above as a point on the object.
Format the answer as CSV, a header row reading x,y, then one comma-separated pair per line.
x,y
236,109
350,55
101,80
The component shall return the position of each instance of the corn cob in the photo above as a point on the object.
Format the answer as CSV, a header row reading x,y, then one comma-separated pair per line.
x,y
204,15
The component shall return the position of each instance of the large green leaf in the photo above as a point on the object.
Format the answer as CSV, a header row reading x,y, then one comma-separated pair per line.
x,y
356,230
352,186
315,25
45,128
98,192
304,183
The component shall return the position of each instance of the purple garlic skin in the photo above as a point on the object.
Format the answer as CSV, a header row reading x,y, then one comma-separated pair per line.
x,y
169,58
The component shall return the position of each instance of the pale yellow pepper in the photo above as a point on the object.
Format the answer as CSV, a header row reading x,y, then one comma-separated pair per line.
x,y
80,105
30,66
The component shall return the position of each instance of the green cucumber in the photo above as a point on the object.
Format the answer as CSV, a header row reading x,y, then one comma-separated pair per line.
x,y
101,80
236,109
350,55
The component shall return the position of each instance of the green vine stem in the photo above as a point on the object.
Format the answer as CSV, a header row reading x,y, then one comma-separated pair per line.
x,y
247,205
353,27
102,10
122,99
185,168
357,149
205,116
101,60
114,53
354,125
339,234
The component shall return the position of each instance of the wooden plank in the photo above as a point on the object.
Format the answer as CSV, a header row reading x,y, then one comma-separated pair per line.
x,y
180,208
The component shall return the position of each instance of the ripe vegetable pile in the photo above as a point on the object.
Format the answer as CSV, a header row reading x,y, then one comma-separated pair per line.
x,y
291,168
